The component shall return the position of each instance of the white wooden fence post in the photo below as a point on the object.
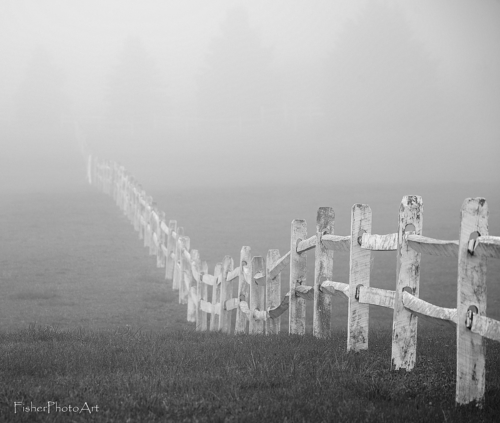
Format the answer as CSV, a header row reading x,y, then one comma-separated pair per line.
x,y
323,270
359,274
273,292
183,243
226,291
214,320
160,255
404,326
471,295
202,320
298,263
171,242
257,292
177,252
243,289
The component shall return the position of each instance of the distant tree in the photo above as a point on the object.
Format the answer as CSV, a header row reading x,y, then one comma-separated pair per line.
x,y
41,101
378,75
236,80
135,94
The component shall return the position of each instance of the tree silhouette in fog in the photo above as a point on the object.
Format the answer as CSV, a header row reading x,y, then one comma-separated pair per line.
x,y
135,94
378,75
236,80
40,100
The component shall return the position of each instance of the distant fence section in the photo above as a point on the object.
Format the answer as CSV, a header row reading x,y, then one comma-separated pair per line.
x,y
258,305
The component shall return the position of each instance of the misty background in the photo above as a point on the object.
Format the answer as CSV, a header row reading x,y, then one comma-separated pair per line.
x,y
192,92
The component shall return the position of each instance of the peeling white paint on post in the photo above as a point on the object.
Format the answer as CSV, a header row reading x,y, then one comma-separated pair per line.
x,y
183,243
273,292
359,274
226,292
323,270
214,320
471,293
243,290
298,263
169,260
257,292
404,325
177,257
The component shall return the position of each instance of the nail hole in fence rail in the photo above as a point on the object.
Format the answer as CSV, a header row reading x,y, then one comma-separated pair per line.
x,y
469,317
472,242
358,289
410,228
360,235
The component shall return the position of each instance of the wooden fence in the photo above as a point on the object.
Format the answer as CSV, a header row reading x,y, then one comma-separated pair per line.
x,y
258,306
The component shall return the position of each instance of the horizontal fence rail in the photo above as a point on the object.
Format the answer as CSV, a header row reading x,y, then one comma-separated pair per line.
x,y
258,305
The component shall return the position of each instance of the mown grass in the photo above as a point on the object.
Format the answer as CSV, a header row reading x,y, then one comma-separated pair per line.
x,y
196,377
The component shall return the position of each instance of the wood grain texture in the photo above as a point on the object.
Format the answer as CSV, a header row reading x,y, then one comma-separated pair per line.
x,y
257,296
273,292
323,270
214,320
335,288
226,291
376,296
279,265
337,242
170,261
471,292
298,263
487,246
436,247
359,274
306,245
243,290
486,327
424,309
404,325
376,242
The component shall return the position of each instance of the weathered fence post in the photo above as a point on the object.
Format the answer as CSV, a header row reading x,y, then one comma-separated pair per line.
x,y
359,274
273,292
323,270
471,295
216,306
243,289
160,255
171,242
177,252
298,263
257,292
225,318
184,244
202,320
404,326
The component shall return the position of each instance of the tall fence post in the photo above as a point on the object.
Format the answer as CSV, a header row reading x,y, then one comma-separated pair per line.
x,y
226,291
471,297
257,292
404,326
323,270
184,244
214,320
177,252
359,274
273,292
160,255
243,289
298,263
171,242
202,319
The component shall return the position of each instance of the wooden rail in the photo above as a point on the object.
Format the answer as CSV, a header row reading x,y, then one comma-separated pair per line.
x,y
258,305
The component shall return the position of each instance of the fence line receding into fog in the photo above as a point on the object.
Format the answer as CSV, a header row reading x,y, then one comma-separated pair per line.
x,y
258,305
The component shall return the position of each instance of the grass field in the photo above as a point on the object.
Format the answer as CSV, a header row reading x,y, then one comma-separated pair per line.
x,y
87,318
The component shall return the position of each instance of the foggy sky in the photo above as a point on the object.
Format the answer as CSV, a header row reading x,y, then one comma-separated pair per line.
x,y
458,139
